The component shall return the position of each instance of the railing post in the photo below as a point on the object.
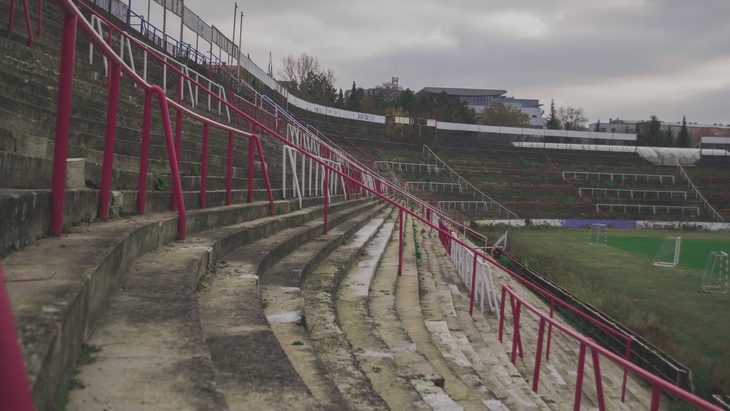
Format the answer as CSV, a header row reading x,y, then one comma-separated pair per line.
x,y
229,168
579,376
597,377
204,166
14,390
266,174
144,153
473,285
177,196
538,355
326,197
400,242
63,120
550,329
251,160
111,127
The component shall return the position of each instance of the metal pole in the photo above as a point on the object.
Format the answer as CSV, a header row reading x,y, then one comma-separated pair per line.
x,y
14,391
233,37
240,34
63,122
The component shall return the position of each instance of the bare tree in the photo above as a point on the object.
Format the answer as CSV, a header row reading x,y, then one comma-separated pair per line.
x,y
572,118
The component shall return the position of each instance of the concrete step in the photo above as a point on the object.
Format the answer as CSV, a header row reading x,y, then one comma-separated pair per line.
x,y
488,360
274,379
374,357
327,338
462,386
53,307
381,304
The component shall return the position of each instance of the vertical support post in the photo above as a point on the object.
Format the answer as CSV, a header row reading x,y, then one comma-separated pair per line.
x,y
266,174
599,381
400,243
473,285
326,197
251,160
538,356
229,168
144,154
550,329
656,396
579,376
516,340
63,121
27,23
111,128
204,166
14,390
626,370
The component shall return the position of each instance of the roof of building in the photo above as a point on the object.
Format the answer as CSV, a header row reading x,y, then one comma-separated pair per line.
x,y
464,92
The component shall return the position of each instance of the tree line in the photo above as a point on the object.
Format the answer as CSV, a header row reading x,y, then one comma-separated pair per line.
x,y
305,78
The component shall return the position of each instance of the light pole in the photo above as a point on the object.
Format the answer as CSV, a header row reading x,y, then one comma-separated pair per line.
x,y
233,37
238,57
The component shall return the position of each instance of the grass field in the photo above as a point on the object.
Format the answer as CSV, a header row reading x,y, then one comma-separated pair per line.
x,y
664,304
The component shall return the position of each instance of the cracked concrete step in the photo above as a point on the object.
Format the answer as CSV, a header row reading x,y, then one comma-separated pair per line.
x,y
464,388
374,357
412,365
235,340
151,351
327,338
490,362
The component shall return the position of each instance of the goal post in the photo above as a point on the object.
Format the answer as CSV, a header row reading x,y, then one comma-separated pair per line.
x,y
598,235
668,254
715,278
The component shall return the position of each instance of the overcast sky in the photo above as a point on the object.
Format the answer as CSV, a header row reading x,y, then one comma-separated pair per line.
x,y
614,58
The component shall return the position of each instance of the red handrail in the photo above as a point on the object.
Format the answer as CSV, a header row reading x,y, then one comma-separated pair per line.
x,y
11,18
658,385
71,16
14,391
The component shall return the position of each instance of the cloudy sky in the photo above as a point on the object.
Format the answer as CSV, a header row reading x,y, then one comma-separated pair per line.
x,y
614,58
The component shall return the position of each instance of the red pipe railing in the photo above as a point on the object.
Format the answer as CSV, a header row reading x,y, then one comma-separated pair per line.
x,y
257,123
26,10
70,23
658,385
174,145
14,390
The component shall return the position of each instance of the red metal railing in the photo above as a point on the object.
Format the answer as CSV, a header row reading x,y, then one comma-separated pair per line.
x,y
26,10
659,386
354,179
174,144
14,391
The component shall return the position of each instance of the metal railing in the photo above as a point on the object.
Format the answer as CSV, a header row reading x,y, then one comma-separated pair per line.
x,y
436,220
658,385
445,166
706,204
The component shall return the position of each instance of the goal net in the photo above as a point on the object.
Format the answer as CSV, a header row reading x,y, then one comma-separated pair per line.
x,y
598,235
668,254
715,278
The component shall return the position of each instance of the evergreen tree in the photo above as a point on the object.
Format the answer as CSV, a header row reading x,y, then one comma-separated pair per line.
x,y
353,100
340,103
553,123
669,138
651,133
598,126
683,138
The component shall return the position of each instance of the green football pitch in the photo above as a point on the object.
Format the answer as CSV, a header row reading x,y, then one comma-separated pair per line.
x,y
667,303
